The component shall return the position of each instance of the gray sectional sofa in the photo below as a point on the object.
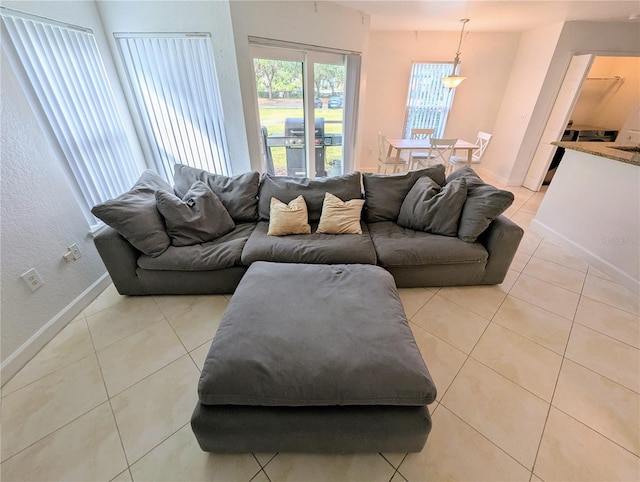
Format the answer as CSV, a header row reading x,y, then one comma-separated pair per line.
x,y
143,260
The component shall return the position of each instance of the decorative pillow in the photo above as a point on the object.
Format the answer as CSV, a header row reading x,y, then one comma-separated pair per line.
x,y
484,204
287,188
289,218
239,194
384,194
198,217
432,209
340,217
135,216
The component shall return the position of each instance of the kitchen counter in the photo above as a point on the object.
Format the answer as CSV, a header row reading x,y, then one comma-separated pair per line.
x,y
603,149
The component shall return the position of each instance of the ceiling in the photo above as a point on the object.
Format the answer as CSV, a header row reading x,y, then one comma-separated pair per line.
x,y
488,16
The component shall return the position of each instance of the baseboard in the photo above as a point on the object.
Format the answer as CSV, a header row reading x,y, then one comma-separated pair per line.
x,y
593,259
490,177
44,335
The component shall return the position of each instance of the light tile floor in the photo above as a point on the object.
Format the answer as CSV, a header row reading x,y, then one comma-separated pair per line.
x,y
538,379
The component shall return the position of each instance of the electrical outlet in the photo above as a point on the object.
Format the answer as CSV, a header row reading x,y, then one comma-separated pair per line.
x,y
33,279
75,251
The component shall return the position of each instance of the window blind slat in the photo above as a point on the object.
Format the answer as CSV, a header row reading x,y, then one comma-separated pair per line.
x,y
64,68
174,85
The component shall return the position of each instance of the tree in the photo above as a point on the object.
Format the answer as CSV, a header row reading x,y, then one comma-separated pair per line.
x,y
276,75
265,73
328,74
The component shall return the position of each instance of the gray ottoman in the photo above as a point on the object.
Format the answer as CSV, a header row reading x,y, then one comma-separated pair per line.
x,y
314,358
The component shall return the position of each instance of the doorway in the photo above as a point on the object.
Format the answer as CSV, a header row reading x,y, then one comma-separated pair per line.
x,y
297,88
599,101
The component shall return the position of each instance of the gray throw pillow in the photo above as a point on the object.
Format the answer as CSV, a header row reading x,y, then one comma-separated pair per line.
x,y
198,217
433,209
286,188
239,194
385,194
484,204
135,215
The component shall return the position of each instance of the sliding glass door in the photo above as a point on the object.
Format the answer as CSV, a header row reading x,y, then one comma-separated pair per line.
x,y
298,88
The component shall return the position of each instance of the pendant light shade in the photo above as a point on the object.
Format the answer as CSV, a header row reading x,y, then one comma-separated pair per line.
x,y
452,81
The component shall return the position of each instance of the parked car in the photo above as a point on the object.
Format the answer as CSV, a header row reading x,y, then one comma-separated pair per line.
x,y
317,103
335,102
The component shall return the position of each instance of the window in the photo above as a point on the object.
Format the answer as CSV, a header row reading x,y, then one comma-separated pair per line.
x,y
428,101
298,86
62,64
173,80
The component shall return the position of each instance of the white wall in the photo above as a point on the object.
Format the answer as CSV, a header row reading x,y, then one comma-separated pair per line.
x,y
535,81
40,217
608,103
194,16
323,24
526,78
487,59
592,207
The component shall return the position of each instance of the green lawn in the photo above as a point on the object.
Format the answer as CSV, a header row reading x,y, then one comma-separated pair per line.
x,y
273,119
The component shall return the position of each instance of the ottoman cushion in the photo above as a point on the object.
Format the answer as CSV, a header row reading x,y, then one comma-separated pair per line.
x,y
315,335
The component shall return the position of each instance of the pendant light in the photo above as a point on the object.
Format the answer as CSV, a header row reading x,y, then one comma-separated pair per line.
x,y
452,81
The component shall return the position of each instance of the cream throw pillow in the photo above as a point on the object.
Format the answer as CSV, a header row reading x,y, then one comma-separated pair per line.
x,y
340,217
289,218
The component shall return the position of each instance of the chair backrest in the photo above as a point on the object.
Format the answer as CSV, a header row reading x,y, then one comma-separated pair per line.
x,y
382,146
483,141
441,150
267,151
421,133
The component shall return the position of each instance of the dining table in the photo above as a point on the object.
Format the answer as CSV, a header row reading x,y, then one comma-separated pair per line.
x,y
424,144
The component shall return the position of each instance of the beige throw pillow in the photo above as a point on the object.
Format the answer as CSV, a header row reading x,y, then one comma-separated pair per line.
x,y
340,217
289,218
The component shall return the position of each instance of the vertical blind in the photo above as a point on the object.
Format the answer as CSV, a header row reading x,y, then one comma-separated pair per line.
x,y
174,84
64,67
428,101
351,96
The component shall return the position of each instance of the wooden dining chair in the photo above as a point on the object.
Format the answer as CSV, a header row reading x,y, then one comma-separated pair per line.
x,y
415,156
482,142
439,153
385,161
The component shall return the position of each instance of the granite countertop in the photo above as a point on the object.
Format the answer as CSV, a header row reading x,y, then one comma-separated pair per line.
x,y
603,149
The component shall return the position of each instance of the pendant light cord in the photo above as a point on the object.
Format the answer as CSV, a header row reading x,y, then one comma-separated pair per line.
x,y
457,59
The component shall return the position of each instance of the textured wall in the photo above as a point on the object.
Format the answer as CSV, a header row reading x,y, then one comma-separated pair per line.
x,y
40,219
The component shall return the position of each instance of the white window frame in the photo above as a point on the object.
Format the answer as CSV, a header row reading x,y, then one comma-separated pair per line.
x,y
173,80
66,83
308,55
428,100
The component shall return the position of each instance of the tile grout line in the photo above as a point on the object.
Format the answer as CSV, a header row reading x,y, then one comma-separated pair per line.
x,y
113,414
555,387
607,335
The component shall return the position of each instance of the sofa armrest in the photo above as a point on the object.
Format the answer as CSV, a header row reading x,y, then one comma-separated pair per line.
x,y
501,239
120,259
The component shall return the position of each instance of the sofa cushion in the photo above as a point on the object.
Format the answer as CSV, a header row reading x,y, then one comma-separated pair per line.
x,y
384,194
135,214
198,217
238,194
285,219
308,248
398,247
286,188
313,342
484,204
223,252
340,217
433,209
